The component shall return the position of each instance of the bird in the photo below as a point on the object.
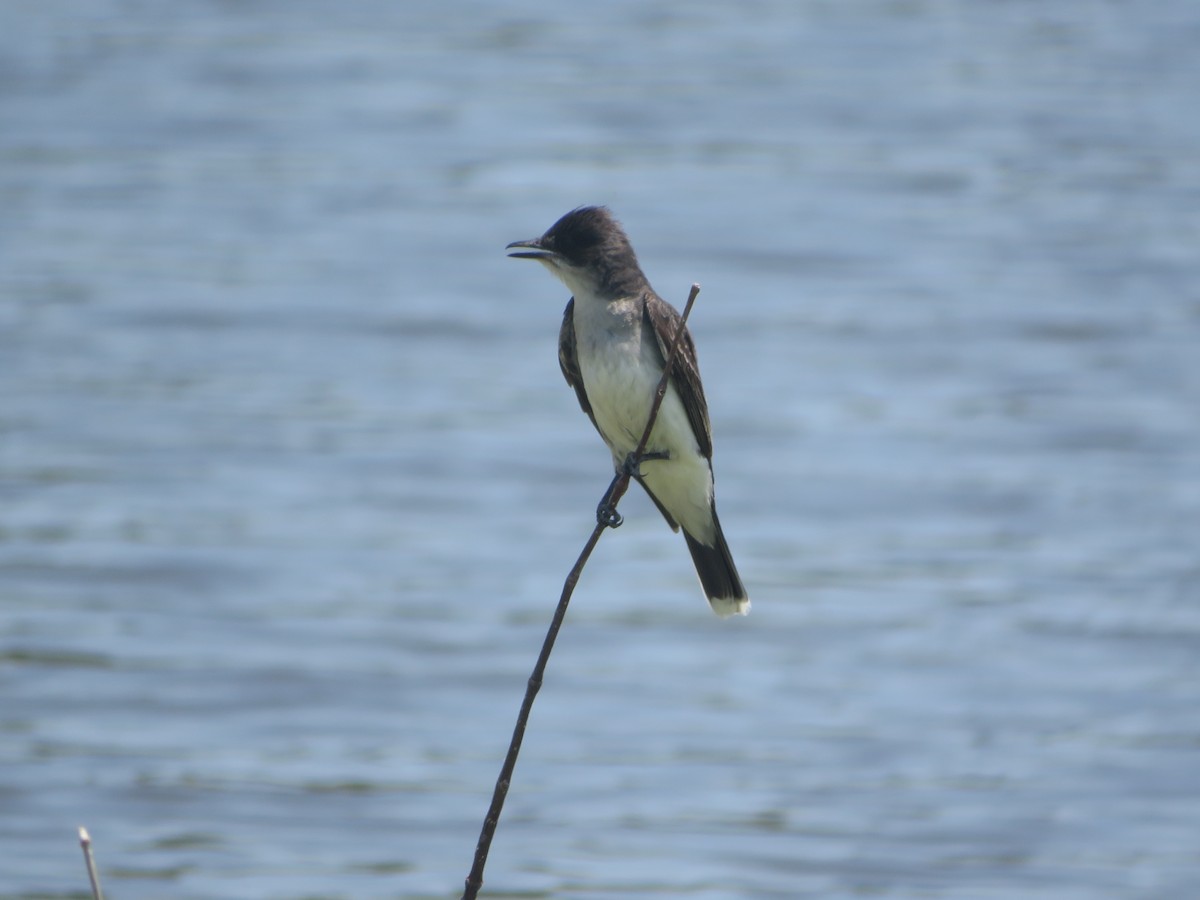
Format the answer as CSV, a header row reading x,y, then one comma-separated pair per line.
x,y
613,343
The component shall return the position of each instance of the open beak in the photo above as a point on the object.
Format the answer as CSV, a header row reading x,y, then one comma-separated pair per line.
x,y
528,250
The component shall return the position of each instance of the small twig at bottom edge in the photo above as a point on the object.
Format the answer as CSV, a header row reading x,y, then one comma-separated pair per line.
x,y
85,841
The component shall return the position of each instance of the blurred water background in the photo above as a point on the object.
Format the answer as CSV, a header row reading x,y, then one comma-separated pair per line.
x,y
289,479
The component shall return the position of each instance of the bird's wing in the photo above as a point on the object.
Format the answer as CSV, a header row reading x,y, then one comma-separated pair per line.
x,y
685,373
568,359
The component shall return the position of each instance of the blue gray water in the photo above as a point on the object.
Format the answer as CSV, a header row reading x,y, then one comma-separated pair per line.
x,y
289,480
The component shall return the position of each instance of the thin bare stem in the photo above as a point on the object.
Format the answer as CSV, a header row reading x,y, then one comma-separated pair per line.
x,y
85,841
612,497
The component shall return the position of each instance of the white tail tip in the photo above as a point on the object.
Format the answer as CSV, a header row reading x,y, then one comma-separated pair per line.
x,y
730,606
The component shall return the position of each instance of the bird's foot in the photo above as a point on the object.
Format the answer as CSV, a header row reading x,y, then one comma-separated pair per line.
x,y
606,515
606,512
633,463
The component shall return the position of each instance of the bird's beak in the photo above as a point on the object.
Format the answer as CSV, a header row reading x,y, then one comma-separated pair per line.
x,y
528,250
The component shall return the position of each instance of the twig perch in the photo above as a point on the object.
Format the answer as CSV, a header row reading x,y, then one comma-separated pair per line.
x,y
85,841
612,497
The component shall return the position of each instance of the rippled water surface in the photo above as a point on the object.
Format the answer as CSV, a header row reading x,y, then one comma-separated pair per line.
x,y
289,479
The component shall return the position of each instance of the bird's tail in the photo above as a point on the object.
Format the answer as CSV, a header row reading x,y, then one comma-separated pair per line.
x,y
718,575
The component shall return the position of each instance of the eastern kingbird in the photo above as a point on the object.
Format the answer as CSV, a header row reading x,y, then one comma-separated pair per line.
x,y
616,333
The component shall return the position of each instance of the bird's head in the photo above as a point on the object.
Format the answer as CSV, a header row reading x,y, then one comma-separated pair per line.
x,y
587,250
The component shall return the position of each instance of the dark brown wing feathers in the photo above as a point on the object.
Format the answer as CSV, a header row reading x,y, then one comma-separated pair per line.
x,y
685,376
568,360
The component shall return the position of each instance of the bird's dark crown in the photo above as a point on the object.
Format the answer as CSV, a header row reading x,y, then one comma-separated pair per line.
x,y
588,236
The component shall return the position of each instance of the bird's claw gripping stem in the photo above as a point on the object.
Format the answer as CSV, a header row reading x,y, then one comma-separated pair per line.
x,y
609,517
633,463
606,512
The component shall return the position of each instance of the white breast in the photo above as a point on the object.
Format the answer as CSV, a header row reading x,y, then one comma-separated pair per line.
x,y
620,363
